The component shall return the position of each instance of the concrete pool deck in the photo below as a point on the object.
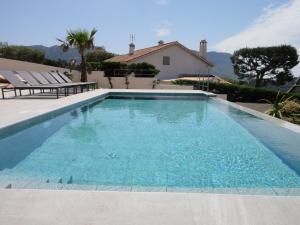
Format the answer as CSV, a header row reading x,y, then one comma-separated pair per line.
x,y
26,206
48,207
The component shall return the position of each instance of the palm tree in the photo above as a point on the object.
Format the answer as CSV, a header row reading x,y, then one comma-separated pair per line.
x,y
82,40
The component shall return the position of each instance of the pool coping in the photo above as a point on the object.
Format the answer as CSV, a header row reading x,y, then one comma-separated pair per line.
x,y
282,123
24,184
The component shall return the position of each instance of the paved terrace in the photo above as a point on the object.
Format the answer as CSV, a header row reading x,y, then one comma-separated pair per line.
x,y
43,207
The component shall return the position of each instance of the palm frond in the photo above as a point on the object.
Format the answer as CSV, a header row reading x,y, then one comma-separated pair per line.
x,y
93,32
60,40
278,104
269,111
279,114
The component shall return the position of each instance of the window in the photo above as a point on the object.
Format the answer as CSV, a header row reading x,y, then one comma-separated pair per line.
x,y
166,60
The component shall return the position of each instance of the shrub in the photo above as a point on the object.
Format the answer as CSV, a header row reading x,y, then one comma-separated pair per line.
x,y
57,63
94,66
143,69
22,53
115,69
28,54
290,108
235,92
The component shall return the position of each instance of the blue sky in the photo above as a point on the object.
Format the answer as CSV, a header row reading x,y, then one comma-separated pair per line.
x,y
227,25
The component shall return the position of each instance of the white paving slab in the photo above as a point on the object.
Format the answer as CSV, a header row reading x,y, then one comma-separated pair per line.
x,y
48,207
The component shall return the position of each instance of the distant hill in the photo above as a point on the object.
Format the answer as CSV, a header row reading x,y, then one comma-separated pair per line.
x,y
223,66
55,52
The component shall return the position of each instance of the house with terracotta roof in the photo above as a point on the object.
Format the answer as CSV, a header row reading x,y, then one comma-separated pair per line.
x,y
171,59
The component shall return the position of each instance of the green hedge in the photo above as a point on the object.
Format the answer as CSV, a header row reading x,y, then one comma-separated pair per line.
x,y
115,69
143,69
118,69
235,92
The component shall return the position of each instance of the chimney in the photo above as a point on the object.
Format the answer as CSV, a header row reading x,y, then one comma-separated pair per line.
x,y
203,48
131,48
161,42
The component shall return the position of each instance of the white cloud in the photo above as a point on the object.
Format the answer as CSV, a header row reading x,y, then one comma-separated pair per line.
x,y
163,29
162,2
276,26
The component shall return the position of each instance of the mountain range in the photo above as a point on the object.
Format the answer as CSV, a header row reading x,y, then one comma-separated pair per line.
x,y
222,63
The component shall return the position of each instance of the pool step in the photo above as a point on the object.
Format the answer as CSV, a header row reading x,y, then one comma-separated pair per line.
x,y
60,180
11,185
70,181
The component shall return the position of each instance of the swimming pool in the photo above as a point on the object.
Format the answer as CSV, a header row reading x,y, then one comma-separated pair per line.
x,y
164,143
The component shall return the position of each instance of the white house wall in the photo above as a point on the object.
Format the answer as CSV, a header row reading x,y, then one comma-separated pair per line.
x,y
181,62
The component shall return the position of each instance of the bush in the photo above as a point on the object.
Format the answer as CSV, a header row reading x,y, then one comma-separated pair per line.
x,y
235,92
94,66
28,54
115,69
290,108
57,63
143,69
22,53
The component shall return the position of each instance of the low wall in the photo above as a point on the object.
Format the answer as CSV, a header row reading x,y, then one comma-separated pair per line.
x,y
95,76
174,87
141,82
117,82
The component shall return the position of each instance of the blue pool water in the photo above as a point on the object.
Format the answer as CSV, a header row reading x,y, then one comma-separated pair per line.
x,y
154,143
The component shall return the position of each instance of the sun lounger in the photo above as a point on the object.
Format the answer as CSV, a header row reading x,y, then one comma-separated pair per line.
x,y
17,84
31,80
64,79
28,77
39,77
67,79
50,78
55,79
46,79
58,77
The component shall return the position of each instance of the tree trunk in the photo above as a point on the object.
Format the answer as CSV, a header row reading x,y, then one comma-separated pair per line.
x,y
83,69
257,81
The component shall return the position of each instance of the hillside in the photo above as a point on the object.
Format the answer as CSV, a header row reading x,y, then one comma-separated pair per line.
x,y
223,66
55,52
